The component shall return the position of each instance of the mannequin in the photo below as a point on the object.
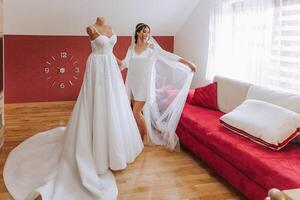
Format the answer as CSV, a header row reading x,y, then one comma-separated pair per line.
x,y
101,28
76,162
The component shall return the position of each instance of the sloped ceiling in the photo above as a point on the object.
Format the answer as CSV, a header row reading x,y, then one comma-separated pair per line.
x,y
70,17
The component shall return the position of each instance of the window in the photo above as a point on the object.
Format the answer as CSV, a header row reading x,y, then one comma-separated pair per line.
x,y
256,41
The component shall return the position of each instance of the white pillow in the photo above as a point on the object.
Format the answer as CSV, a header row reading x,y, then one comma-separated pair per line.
x,y
265,123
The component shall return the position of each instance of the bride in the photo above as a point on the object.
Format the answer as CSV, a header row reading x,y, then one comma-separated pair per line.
x,y
74,162
157,83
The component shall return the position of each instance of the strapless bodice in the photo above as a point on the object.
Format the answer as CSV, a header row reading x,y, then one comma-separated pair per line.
x,y
103,44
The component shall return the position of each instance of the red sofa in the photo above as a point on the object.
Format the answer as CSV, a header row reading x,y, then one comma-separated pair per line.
x,y
249,167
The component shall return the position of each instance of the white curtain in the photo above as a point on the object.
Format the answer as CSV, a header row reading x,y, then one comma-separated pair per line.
x,y
256,41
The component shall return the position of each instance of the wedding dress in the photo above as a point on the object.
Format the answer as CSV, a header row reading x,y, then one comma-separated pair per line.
x,y
74,162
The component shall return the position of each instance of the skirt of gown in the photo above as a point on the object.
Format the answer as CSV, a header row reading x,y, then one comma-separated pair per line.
x,y
74,162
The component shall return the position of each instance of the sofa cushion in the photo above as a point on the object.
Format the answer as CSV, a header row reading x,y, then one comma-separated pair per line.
x,y
231,93
264,166
206,96
283,99
200,119
232,175
265,123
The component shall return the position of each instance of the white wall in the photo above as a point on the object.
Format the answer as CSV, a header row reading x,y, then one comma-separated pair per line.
x,y
1,16
191,41
70,17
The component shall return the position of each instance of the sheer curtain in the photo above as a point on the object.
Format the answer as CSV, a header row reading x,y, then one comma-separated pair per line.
x,y
256,41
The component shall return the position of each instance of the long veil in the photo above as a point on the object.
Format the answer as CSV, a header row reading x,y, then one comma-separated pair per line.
x,y
169,83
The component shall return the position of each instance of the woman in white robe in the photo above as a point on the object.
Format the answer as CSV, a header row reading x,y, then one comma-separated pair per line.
x,y
157,84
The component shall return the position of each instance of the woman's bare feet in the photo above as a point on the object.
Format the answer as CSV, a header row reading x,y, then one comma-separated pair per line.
x,y
146,141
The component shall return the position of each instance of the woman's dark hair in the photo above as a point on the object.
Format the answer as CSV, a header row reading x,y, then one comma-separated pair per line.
x,y
138,28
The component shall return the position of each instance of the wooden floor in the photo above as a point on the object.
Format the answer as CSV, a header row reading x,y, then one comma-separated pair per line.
x,y
156,174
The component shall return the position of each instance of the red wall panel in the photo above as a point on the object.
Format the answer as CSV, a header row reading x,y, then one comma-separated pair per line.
x,y
1,64
51,68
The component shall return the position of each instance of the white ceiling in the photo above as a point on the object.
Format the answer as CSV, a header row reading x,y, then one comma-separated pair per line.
x,y
70,17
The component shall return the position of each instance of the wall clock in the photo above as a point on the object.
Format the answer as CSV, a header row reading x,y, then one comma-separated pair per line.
x,y
61,70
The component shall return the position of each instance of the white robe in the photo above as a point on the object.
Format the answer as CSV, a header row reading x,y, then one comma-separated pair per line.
x,y
158,78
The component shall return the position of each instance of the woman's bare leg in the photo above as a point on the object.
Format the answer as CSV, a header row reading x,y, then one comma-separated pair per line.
x,y
137,107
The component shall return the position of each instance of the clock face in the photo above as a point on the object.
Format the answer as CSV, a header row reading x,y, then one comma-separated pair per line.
x,y
61,70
